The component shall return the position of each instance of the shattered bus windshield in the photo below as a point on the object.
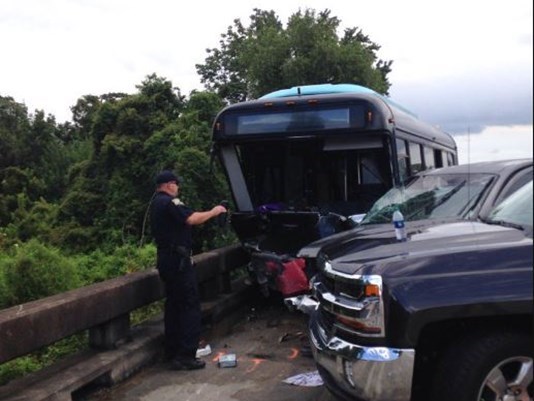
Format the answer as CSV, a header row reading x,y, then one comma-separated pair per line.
x,y
308,176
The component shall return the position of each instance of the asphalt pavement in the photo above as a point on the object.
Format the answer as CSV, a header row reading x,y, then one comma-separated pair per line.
x,y
271,346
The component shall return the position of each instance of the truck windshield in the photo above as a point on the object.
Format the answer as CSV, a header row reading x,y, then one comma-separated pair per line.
x,y
430,197
516,209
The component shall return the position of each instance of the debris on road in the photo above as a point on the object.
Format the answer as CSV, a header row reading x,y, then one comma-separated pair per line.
x,y
227,361
310,379
290,336
204,351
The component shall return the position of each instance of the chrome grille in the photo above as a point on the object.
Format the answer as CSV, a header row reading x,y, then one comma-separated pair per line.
x,y
351,288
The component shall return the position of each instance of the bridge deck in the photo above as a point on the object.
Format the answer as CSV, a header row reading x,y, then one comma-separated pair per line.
x,y
263,363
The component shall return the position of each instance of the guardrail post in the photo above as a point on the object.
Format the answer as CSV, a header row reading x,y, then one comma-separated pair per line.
x,y
108,335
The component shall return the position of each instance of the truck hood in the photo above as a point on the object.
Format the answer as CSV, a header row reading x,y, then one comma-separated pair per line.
x,y
364,237
382,254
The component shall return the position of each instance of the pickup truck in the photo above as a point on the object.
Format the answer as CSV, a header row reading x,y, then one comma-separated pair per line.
x,y
446,315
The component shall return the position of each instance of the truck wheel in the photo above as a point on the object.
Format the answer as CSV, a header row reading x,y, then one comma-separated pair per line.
x,y
493,367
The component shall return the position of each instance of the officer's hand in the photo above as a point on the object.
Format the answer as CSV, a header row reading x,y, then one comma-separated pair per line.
x,y
217,210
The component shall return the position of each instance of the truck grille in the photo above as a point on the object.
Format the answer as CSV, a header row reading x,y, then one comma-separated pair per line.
x,y
351,288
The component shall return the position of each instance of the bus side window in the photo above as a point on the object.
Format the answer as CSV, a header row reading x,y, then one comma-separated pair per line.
x,y
450,159
402,155
438,157
429,158
416,159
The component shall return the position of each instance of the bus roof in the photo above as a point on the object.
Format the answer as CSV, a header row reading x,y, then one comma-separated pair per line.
x,y
325,89
318,90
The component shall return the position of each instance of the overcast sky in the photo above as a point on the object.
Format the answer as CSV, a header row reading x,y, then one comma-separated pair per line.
x,y
465,65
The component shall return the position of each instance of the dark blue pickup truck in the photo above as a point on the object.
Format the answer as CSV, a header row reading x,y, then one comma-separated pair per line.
x,y
446,315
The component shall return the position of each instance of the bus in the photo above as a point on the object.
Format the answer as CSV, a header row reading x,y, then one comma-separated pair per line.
x,y
307,162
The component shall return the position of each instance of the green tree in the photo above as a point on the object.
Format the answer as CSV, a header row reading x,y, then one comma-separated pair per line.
x,y
34,159
134,137
87,184
34,175
14,127
205,106
36,271
265,56
47,155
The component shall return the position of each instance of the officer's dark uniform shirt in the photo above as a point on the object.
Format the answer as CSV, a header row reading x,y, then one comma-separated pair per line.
x,y
168,222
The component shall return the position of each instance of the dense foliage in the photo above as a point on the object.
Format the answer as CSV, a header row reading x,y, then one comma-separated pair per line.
x,y
74,196
87,185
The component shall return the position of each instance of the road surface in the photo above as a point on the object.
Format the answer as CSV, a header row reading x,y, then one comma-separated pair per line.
x,y
270,346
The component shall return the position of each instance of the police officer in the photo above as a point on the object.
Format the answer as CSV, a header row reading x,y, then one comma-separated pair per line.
x,y
171,223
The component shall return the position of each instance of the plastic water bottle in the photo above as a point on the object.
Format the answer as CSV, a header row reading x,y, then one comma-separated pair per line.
x,y
398,223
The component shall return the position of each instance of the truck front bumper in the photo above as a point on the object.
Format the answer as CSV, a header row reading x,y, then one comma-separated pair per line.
x,y
362,373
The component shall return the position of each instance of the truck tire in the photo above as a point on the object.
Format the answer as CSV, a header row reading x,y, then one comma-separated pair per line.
x,y
489,367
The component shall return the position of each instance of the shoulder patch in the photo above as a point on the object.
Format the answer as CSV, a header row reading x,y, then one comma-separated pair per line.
x,y
177,202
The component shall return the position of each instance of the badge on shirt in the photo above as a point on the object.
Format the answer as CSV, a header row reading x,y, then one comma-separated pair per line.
x,y
178,202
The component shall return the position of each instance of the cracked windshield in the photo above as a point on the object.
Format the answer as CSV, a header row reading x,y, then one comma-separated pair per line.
x,y
431,197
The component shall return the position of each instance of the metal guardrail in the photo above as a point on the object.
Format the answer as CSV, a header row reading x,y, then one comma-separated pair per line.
x,y
104,308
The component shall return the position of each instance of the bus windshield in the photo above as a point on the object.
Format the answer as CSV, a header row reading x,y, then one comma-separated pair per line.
x,y
303,176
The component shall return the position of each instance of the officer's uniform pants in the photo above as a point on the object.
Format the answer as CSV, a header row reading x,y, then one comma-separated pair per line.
x,y
182,306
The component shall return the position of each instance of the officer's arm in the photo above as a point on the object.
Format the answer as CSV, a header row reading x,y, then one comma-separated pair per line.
x,y
201,217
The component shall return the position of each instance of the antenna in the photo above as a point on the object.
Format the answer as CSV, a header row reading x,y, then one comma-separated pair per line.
x,y
142,239
468,145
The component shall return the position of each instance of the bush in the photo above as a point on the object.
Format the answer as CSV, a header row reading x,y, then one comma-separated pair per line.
x,y
91,268
17,368
97,266
37,271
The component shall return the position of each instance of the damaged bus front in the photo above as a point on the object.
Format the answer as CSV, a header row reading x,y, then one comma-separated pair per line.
x,y
307,162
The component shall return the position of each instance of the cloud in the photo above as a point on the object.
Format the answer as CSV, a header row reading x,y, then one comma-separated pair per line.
x,y
496,143
472,100
457,63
